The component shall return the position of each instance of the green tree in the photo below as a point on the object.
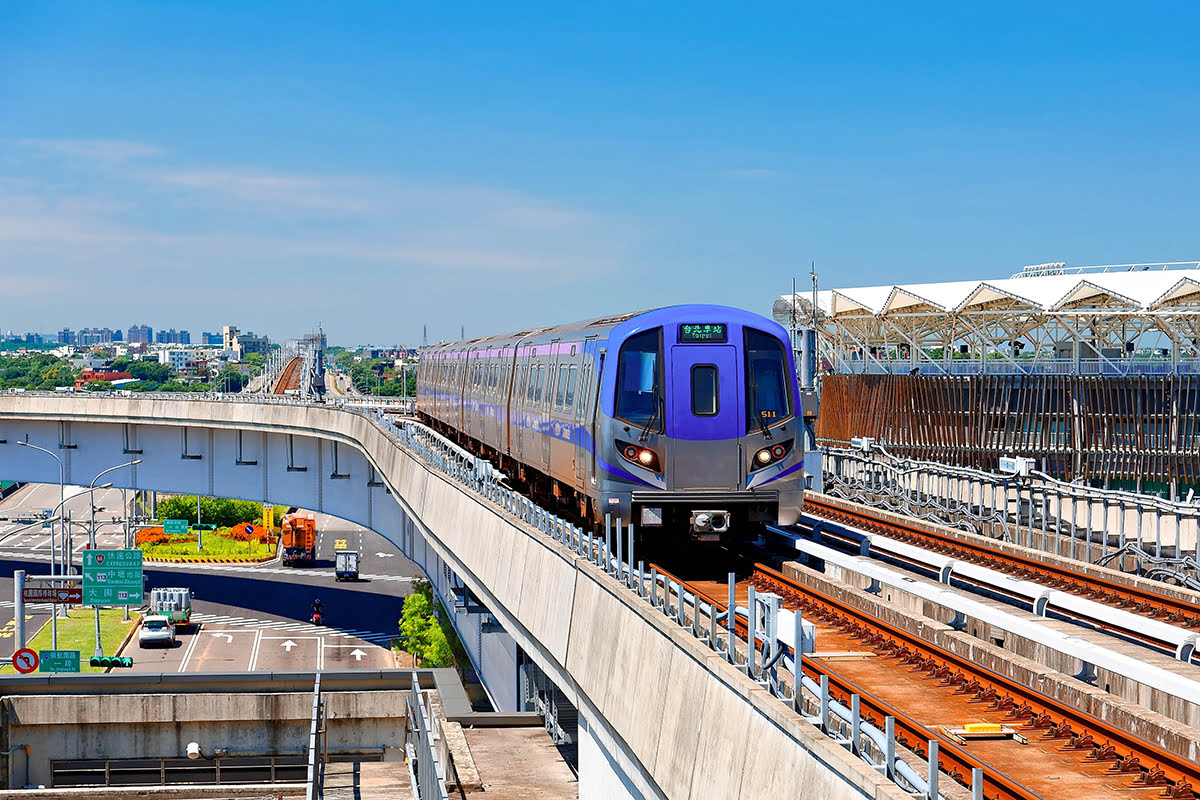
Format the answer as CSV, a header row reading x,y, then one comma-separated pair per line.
x,y
150,371
229,379
218,511
414,624
437,652
98,386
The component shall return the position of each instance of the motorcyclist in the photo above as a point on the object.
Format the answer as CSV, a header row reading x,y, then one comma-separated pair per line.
x,y
317,608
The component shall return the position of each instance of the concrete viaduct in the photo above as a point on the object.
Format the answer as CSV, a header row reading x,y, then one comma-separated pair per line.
x,y
660,715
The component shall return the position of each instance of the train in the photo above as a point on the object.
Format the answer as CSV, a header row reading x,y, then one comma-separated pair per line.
x,y
683,415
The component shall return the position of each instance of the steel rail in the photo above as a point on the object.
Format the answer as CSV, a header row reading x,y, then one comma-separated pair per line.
x,y
287,377
1093,587
1130,754
913,565
953,759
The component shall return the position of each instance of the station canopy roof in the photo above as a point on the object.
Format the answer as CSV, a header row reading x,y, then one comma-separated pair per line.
x,y
1146,288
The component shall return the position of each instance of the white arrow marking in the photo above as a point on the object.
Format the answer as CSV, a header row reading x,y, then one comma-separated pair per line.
x,y
288,645
358,654
228,636
385,555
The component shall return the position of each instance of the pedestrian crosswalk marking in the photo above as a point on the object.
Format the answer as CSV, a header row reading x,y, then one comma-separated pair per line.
x,y
374,637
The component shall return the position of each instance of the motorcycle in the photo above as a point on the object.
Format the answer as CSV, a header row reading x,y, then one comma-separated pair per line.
x,y
318,615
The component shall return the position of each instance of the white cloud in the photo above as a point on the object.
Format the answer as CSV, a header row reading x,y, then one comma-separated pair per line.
x,y
150,214
104,150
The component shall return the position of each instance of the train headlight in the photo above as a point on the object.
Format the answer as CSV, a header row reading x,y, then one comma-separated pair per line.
x,y
643,457
771,455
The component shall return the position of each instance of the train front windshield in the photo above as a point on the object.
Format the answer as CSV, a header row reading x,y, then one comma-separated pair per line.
x,y
766,380
637,377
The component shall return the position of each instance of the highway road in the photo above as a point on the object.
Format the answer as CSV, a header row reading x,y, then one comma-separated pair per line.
x,y
256,617
34,498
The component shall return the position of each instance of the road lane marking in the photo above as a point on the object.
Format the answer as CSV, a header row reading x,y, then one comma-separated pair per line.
x,y
228,636
254,650
187,655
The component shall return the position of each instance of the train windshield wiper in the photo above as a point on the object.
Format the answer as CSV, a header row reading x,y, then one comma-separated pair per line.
x,y
645,434
762,426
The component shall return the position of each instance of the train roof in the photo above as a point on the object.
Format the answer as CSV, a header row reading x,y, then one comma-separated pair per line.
x,y
596,323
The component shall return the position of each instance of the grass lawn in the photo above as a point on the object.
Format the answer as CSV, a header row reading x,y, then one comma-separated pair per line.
x,y
214,545
78,632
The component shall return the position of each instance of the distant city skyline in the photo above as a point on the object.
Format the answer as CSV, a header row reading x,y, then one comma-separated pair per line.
x,y
382,167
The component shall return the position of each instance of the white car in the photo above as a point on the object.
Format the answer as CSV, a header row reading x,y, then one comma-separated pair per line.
x,y
156,629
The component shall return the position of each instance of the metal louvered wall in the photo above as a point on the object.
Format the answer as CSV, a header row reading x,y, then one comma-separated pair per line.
x,y
1139,432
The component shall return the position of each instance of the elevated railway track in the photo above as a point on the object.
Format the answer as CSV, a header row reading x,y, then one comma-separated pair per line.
x,y
1045,747
289,379
1093,584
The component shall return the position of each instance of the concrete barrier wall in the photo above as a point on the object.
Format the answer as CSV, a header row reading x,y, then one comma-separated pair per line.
x,y
161,726
678,720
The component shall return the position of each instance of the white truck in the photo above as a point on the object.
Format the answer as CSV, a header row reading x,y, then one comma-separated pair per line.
x,y
345,567
174,604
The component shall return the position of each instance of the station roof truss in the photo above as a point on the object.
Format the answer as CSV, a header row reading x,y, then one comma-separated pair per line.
x,y
1048,319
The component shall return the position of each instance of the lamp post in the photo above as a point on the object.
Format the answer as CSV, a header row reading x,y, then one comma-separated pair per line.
x,y
57,515
53,553
92,536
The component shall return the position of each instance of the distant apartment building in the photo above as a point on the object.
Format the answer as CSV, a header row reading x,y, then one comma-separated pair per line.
x,y
95,336
66,336
176,359
211,338
247,343
141,334
243,344
173,337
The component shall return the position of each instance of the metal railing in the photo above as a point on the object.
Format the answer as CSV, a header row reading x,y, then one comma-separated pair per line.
x,y
426,769
1137,533
1021,366
316,764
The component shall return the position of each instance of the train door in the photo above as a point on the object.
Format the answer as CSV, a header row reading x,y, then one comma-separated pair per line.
x,y
705,394
594,411
545,408
580,437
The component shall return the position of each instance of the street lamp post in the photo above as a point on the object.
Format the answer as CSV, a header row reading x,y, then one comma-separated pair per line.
x,y
60,516
53,553
92,536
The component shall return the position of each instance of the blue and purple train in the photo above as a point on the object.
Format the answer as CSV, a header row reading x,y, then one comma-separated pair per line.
x,y
676,416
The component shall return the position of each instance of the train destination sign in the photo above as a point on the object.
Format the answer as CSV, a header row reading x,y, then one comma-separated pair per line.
x,y
68,595
112,577
703,332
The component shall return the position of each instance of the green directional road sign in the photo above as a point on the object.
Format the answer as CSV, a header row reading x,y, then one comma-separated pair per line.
x,y
173,526
112,577
58,661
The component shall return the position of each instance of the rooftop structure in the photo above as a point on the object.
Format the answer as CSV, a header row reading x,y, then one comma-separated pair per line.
x,y
1046,319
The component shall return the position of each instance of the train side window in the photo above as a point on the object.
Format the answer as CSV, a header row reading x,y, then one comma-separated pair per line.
x,y
705,398
563,375
541,378
530,380
573,376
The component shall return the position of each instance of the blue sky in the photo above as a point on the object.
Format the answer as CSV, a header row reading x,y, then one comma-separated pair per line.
x,y
379,167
